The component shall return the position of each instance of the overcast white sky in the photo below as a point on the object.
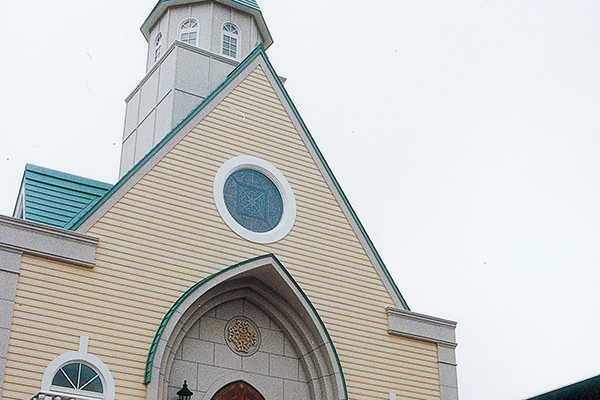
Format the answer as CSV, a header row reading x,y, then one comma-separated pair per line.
x,y
466,135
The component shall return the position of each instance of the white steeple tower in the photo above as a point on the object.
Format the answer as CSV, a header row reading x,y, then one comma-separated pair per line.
x,y
192,46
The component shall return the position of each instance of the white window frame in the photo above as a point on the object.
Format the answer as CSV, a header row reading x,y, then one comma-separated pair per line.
x,y
157,46
195,29
81,356
287,196
237,36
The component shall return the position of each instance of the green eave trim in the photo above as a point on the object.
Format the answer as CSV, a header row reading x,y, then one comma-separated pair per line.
x,y
169,314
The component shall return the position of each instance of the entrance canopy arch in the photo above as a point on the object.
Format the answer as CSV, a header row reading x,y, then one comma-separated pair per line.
x,y
264,283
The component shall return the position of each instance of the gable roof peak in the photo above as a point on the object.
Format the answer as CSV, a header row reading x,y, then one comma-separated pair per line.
x,y
256,60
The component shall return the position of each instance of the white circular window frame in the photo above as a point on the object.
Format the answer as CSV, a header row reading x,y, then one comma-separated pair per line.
x,y
287,196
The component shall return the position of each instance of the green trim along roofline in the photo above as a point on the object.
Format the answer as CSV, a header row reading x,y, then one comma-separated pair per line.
x,y
191,290
258,51
248,6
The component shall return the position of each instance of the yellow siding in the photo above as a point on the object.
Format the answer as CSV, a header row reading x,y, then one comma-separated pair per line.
x,y
165,235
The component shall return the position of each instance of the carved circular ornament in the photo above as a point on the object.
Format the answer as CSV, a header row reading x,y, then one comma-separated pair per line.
x,y
242,336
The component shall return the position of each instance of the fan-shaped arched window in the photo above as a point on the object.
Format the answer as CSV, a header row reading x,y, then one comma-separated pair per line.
x,y
157,46
188,32
230,40
78,378
78,375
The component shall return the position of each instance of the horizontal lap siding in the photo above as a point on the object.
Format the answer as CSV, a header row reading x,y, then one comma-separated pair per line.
x,y
48,321
165,235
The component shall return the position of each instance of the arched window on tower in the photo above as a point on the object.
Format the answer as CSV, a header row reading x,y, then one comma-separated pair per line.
x,y
188,32
230,40
157,46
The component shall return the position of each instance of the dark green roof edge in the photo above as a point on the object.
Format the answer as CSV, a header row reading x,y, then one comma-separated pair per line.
x,y
167,317
338,187
248,3
83,212
75,223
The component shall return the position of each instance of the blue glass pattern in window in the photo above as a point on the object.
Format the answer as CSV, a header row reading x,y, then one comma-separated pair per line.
x,y
253,200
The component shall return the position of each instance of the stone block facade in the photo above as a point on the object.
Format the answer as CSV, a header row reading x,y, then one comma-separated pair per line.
x,y
208,356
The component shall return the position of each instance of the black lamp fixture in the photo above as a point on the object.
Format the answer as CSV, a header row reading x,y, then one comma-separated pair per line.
x,y
184,393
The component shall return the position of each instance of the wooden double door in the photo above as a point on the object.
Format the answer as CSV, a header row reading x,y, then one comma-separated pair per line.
x,y
238,391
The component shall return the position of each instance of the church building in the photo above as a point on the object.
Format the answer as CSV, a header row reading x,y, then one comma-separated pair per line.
x,y
225,263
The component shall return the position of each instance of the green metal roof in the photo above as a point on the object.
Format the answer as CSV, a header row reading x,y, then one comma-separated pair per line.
x,y
54,198
248,3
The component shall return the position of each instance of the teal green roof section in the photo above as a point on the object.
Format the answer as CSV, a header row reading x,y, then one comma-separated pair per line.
x,y
54,198
248,3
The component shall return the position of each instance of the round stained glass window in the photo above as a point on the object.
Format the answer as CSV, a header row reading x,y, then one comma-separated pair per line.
x,y
253,200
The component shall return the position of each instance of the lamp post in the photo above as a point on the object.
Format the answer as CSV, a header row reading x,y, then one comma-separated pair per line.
x,y
184,393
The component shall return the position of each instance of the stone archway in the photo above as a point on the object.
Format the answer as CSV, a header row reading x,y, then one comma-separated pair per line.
x,y
239,390
264,285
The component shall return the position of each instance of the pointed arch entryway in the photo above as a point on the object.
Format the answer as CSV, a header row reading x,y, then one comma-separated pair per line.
x,y
239,390
248,323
